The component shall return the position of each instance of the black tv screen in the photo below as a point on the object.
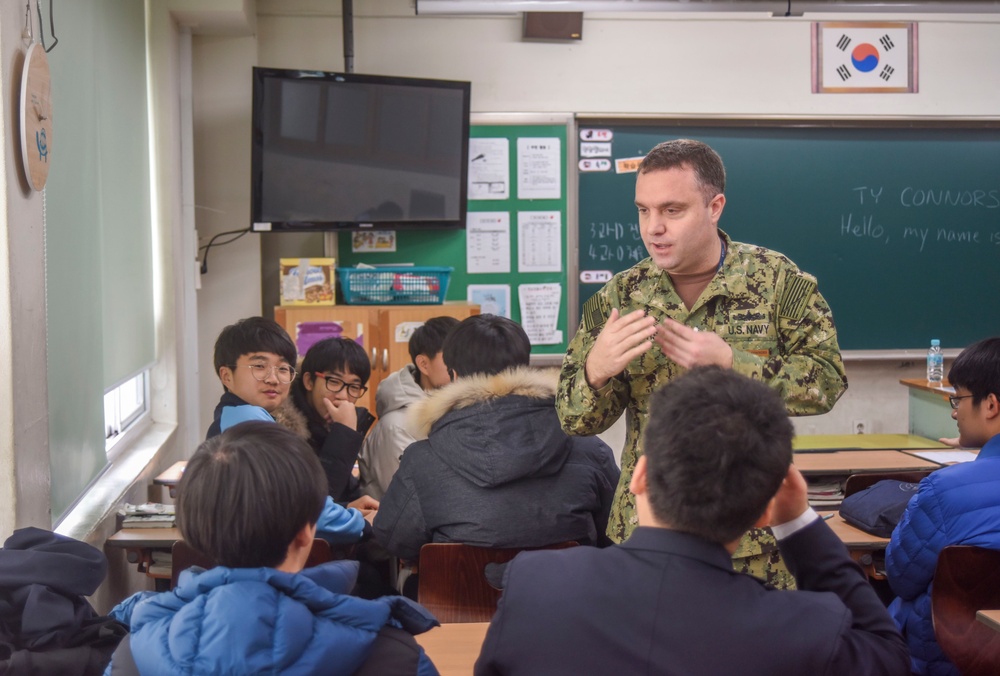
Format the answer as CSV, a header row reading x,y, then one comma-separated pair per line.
x,y
336,151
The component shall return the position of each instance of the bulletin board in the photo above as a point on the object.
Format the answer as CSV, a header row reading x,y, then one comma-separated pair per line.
x,y
516,229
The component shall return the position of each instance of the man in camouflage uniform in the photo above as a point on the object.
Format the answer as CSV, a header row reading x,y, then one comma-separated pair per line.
x,y
699,299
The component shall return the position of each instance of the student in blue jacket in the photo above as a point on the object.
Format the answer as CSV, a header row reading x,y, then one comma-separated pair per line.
x,y
253,359
250,500
957,505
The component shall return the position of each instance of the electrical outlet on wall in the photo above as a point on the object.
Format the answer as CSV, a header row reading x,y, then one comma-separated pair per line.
x,y
860,426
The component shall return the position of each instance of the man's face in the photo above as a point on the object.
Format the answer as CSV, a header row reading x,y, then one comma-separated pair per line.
x,y
972,429
677,226
333,385
267,393
436,374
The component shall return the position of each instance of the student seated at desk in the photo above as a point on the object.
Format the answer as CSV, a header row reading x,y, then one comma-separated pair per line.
x,y
717,461
383,449
495,470
956,505
322,410
250,500
253,359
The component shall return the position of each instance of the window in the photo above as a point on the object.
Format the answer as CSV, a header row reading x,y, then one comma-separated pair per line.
x,y
125,406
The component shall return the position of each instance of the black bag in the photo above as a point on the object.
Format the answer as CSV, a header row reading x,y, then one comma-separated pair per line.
x,y
878,508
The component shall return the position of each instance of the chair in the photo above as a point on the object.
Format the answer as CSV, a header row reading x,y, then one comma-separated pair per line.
x,y
452,579
967,579
859,482
183,556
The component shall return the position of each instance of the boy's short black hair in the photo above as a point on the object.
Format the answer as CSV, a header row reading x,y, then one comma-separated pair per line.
x,y
977,369
717,446
246,493
336,354
330,354
486,344
428,340
249,335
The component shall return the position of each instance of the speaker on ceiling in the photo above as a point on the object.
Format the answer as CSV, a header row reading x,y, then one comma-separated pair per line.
x,y
552,25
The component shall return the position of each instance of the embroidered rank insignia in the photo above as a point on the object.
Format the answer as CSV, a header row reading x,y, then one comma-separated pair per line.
x,y
798,290
595,313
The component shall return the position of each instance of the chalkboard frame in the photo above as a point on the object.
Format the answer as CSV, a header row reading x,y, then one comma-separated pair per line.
x,y
640,122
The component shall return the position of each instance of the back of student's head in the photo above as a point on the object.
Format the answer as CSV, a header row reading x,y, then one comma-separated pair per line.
x,y
253,334
246,493
977,369
717,447
428,340
486,344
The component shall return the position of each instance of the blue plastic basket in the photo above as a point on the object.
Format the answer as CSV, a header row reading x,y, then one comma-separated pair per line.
x,y
403,285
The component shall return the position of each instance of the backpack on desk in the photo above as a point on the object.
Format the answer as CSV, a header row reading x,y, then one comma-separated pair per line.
x,y
878,508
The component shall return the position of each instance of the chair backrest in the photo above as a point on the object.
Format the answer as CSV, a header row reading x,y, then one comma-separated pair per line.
x,y
859,482
183,556
967,579
452,580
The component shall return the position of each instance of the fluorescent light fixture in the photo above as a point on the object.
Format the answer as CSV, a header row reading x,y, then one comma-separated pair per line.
x,y
777,7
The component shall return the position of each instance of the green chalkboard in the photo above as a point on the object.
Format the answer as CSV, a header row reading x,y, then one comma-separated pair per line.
x,y
900,225
448,247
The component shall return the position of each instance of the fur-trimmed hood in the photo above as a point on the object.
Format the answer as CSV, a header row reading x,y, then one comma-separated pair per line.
x,y
524,382
493,430
290,417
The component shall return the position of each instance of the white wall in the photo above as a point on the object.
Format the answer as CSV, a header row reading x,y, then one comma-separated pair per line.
x,y
652,64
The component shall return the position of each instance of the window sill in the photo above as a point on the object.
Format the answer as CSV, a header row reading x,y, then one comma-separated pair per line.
x,y
127,469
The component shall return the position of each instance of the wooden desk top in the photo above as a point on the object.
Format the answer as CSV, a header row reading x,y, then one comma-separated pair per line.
x,y
454,648
854,538
172,475
149,538
921,384
833,442
859,462
991,618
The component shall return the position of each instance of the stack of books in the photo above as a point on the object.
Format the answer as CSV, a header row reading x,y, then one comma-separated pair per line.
x,y
826,493
147,515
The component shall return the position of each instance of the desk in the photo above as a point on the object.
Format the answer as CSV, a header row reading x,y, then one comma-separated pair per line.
x,y
833,442
859,462
864,548
139,545
454,648
991,618
172,476
929,410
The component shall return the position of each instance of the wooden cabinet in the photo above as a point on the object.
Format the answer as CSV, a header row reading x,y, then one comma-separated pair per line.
x,y
384,331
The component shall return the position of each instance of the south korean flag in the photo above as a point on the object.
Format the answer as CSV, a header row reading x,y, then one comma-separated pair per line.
x,y
865,57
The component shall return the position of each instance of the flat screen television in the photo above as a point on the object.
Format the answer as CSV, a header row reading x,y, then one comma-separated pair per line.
x,y
342,151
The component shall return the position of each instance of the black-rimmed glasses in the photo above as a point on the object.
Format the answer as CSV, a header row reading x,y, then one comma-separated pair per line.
x,y
335,385
954,400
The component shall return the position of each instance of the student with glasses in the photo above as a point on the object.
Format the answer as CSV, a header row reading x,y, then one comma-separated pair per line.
x,y
323,410
956,505
253,359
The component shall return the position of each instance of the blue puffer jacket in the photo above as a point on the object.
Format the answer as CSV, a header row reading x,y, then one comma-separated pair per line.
x,y
958,505
263,621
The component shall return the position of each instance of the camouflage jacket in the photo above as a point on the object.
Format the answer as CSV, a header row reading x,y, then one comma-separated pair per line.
x,y
779,326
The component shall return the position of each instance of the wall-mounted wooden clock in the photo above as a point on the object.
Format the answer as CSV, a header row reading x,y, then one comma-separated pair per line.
x,y
36,116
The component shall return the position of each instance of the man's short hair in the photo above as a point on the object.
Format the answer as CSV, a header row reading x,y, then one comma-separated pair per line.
x,y
246,493
977,369
486,344
253,334
428,340
683,152
336,354
717,446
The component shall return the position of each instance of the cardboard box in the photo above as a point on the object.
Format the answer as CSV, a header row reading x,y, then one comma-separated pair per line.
x,y
308,281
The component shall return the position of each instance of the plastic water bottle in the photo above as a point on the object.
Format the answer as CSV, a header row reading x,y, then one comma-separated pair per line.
x,y
935,364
